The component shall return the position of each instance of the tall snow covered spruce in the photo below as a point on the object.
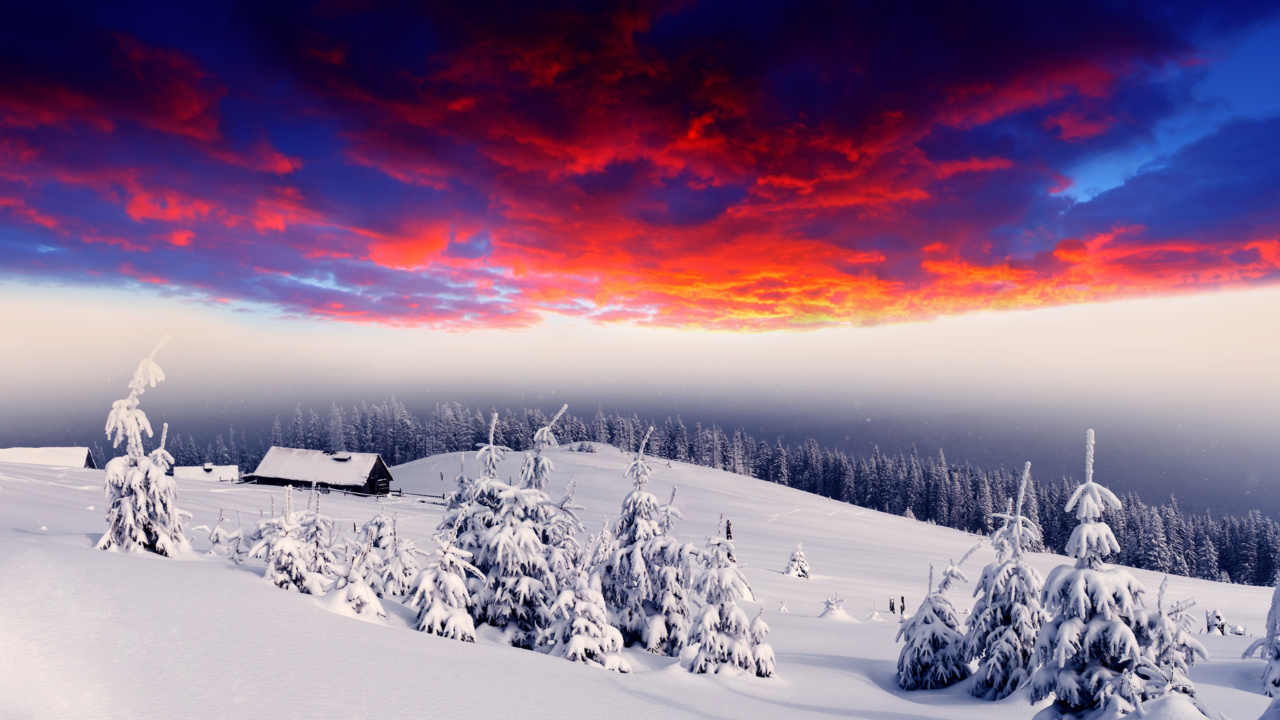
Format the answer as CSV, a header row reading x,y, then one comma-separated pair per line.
x,y
646,579
933,656
798,565
1007,615
504,529
1087,651
726,640
1267,647
142,512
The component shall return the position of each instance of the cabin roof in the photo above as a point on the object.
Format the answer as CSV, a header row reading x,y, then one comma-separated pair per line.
x,y
76,457
329,468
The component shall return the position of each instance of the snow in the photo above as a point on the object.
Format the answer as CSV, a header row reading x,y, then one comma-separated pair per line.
x,y
343,468
208,471
72,457
87,633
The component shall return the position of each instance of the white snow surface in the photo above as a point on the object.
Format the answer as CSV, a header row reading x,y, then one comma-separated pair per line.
x,y
212,473
73,457
92,634
341,468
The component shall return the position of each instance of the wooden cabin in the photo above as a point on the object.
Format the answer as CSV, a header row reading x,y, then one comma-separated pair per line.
x,y
72,457
208,471
351,471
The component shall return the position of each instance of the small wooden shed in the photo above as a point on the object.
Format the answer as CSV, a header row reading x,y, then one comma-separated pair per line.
x,y
351,471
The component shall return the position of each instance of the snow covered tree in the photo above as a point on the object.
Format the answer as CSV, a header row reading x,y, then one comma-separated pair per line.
x,y
1168,652
933,656
762,652
142,512
401,567
581,632
219,537
379,534
797,566
1087,651
721,631
352,594
1267,647
1007,615
440,592
646,579
501,527
286,560
317,534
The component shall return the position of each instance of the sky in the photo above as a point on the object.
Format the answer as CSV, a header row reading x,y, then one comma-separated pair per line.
x,y
993,216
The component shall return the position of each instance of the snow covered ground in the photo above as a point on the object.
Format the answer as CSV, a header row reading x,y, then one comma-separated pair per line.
x,y
92,634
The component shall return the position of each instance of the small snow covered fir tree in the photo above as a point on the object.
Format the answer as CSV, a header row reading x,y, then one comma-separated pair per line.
x,y
721,631
440,592
142,512
401,567
379,535
646,580
581,631
1007,615
1267,647
286,560
318,535
933,656
350,593
1168,652
1087,651
762,652
219,538
797,566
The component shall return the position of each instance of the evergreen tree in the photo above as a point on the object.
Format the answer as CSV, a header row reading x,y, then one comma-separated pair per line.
x,y
933,655
317,534
401,568
1168,652
581,632
1007,615
440,593
1087,651
350,590
286,561
1268,647
645,580
797,566
721,630
142,512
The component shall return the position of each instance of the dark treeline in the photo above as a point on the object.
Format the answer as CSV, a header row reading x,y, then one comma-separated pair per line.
x,y
928,488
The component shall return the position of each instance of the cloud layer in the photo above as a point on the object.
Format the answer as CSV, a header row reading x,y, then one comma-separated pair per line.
x,y
729,165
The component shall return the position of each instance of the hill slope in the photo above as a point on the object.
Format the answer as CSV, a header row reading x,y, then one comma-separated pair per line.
x,y
85,633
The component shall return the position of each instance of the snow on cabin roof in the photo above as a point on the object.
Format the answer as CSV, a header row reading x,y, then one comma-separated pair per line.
x,y
76,457
341,468
208,471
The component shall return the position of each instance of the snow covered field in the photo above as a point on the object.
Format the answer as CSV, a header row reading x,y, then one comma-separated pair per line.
x,y
92,634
